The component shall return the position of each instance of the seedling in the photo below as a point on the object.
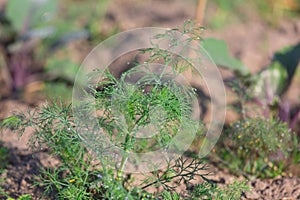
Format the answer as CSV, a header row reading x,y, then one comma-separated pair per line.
x,y
257,147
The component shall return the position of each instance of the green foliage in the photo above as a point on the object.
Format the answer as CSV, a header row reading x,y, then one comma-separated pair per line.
x,y
226,5
226,13
53,129
23,197
256,146
52,25
260,146
210,191
64,72
62,69
78,177
270,82
218,51
11,122
53,90
275,78
126,107
29,13
163,104
169,195
182,171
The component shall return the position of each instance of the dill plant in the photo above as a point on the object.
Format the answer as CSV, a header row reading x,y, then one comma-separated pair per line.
x,y
79,175
86,169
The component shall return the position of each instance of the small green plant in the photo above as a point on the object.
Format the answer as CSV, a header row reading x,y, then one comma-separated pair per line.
x,y
211,191
260,146
23,197
124,108
78,176
257,147
134,108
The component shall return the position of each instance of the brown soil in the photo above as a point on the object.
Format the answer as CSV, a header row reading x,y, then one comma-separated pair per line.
x,y
254,42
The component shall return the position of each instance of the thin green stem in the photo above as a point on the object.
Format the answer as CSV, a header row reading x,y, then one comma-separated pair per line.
x,y
122,165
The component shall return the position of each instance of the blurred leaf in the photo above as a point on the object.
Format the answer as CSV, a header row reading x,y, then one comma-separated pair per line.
x,y
55,90
276,78
289,58
218,51
27,14
271,81
63,69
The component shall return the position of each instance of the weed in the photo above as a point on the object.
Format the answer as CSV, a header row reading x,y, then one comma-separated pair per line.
x,y
257,146
211,191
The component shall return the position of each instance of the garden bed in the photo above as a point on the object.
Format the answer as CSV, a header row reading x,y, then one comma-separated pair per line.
x,y
253,42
